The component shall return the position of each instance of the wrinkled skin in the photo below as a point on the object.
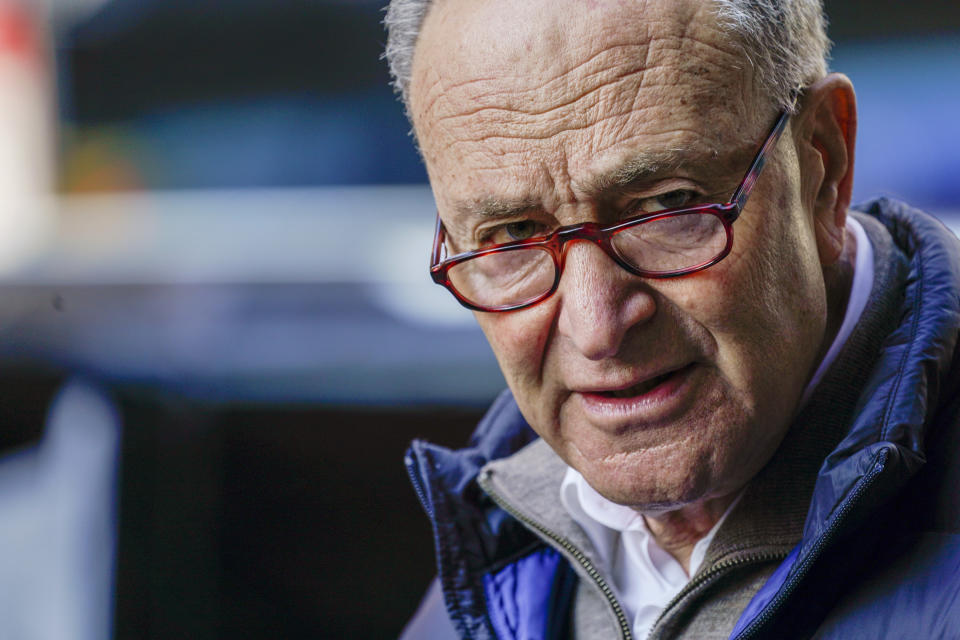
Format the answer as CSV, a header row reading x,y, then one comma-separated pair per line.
x,y
521,109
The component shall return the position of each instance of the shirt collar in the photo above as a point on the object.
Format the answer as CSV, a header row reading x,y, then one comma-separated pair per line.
x,y
857,302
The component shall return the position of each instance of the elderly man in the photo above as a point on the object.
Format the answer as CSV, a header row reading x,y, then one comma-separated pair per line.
x,y
732,407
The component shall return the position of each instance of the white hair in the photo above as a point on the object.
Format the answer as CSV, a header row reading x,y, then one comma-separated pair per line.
x,y
403,21
784,40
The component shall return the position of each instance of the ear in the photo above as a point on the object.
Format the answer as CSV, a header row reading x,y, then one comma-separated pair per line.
x,y
827,133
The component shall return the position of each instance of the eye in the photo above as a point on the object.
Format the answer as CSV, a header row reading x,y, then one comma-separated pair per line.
x,y
513,231
521,230
669,200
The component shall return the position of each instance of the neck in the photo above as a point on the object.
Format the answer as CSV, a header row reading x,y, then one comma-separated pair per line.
x,y
678,531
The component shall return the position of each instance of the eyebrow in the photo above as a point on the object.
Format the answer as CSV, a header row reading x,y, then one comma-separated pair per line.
x,y
639,168
636,169
492,207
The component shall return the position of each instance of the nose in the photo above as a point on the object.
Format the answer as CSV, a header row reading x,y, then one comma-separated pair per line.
x,y
599,301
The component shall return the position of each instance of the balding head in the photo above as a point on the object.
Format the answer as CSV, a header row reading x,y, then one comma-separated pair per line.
x,y
784,41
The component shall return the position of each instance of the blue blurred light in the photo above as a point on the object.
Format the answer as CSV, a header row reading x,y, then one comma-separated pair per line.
x,y
282,140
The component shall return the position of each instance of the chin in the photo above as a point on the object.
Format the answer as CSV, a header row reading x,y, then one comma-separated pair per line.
x,y
648,480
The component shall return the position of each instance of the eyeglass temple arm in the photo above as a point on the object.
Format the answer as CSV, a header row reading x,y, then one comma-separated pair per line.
x,y
743,191
437,242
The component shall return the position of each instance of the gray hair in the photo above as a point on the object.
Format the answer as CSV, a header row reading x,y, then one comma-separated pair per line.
x,y
784,40
403,21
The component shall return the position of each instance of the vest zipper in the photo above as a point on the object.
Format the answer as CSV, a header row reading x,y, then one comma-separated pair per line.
x,y
752,628
572,551
410,464
714,571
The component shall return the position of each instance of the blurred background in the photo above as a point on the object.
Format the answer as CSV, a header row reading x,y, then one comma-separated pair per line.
x,y
217,334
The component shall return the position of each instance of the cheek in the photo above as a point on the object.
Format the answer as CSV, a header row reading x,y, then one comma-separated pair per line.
x,y
773,271
519,340
763,307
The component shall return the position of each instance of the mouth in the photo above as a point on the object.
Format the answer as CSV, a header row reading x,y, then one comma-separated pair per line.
x,y
652,400
641,388
644,387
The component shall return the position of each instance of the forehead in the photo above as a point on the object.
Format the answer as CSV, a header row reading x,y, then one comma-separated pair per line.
x,y
518,99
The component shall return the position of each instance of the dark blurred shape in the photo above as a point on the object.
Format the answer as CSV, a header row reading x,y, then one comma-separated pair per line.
x,y
222,94
266,521
174,53
332,533
884,19
25,396
263,520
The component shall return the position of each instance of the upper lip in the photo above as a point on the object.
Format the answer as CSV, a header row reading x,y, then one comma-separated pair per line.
x,y
621,384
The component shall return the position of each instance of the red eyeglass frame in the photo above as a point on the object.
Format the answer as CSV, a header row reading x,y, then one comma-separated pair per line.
x,y
555,242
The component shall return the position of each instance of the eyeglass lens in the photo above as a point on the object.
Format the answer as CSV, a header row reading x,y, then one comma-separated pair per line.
x,y
672,243
667,245
506,278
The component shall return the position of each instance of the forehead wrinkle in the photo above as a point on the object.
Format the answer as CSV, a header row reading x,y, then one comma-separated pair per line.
x,y
567,100
573,114
592,80
520,114
520,125
521,132
441,90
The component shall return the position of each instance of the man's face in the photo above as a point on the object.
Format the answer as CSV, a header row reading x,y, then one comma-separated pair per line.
x,y
530,115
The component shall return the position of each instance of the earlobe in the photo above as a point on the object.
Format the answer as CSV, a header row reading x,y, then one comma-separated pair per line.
x,y
830,131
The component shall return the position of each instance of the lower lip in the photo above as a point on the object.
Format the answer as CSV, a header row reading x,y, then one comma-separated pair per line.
x,y
656,404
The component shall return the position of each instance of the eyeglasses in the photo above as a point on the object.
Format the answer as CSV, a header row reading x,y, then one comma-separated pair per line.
x,y
663,244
